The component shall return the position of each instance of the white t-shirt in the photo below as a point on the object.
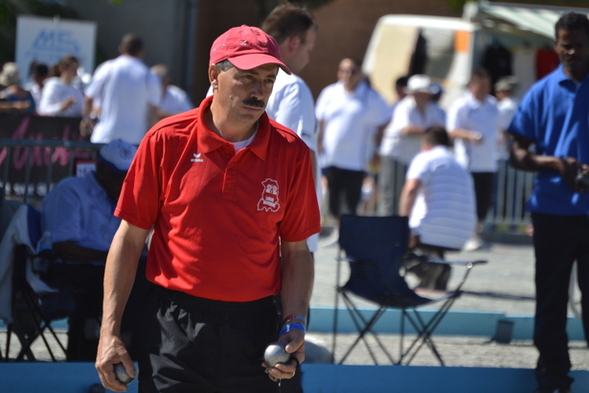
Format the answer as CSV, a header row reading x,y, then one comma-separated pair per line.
x,y
350,124
507,108
175,100
444,212
291,104
124,87
54,93
471,114
405,147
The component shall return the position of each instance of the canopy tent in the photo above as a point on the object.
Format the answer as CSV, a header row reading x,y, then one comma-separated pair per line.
x,y
539,19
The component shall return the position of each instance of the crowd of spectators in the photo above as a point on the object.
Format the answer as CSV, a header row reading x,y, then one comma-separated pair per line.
x,y
121,101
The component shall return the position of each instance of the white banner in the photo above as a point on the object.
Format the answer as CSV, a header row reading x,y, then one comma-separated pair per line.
x,y
47,40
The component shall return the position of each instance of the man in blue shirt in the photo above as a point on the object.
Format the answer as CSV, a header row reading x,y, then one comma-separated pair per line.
x,y
553,117
78,212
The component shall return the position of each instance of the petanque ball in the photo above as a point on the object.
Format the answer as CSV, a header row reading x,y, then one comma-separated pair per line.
x,y
121,374
275,353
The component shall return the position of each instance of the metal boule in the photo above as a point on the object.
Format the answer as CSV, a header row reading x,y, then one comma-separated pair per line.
x,y
275,353
121,374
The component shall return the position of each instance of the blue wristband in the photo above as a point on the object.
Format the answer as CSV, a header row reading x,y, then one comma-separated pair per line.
x,y
287,328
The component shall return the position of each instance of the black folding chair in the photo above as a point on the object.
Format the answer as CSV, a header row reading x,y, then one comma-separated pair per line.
x,y
32,312
374,247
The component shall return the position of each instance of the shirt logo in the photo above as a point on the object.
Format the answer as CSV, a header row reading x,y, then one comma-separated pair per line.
x,y
196,158
269,200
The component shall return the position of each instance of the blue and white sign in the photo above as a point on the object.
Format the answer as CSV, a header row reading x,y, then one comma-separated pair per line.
x,y
47,40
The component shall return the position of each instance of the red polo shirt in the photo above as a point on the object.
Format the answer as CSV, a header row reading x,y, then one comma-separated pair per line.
x,y
218,215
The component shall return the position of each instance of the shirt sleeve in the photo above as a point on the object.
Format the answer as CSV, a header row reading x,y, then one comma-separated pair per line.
x,y
523,122
400,119
381,113
96,87
50,102
63,205
154,89
417,169
295,111
454,117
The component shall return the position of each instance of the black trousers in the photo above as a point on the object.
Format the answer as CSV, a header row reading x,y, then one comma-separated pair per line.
x,y
344,184
483,189
192,344
84,283
559,241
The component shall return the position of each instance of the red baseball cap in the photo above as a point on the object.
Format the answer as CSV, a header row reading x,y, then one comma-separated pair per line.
x,y
246,47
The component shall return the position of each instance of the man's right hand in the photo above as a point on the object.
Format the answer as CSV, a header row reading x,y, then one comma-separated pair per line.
x,y
111,351
569,168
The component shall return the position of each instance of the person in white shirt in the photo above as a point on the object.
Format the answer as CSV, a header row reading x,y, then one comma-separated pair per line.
x,y
402,138
507,106
174,100
350,114
438,197
473,123
128,94
291,102
60,97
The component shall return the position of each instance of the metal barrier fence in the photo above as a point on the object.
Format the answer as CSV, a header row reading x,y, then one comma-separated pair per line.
x,y
513,188
29,168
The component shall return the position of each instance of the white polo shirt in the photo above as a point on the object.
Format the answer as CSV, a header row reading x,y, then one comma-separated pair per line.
x,y
291,104
471,114
405,147
124,87
444,212
350,123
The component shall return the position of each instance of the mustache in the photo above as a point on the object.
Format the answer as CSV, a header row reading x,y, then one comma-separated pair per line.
x,y
252,101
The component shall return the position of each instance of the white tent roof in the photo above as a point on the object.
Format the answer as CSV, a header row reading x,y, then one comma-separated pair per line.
x,y
539,19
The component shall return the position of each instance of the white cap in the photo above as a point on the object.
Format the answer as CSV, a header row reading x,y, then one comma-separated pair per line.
x,y
419,84
118,154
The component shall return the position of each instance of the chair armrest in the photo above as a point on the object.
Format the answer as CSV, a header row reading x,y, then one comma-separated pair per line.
x,y
459,263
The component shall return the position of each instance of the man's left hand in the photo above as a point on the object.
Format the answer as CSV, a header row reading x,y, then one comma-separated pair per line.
x,y
295,345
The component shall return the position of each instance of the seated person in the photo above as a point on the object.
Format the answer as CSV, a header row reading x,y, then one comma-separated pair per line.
x,y
13,98
438,198
78,212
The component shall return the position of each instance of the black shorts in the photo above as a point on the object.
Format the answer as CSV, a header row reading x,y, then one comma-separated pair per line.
x,y
191,344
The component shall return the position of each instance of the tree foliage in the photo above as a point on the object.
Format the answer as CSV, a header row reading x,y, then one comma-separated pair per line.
x,y
10,9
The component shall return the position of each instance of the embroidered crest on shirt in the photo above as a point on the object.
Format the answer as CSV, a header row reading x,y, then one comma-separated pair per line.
x,y
269,200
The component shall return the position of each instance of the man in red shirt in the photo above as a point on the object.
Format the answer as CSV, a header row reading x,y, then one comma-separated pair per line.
x,y
229,194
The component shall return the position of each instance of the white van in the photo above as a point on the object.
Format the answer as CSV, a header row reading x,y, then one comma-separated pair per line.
x,y
499,36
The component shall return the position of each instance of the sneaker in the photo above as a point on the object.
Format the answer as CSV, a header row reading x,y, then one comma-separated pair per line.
x,y
473,244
